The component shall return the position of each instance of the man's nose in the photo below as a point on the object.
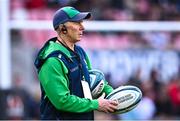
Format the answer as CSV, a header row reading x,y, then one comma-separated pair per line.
x,y
81,26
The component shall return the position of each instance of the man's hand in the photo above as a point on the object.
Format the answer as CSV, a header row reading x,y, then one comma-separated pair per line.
x,y
105,105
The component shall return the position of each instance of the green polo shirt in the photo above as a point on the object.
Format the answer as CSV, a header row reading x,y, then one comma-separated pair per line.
x,y
54,80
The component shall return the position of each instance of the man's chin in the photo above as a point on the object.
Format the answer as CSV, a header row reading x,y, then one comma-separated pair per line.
x,y
77,40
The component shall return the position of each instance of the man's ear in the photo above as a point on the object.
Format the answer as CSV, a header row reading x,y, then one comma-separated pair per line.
x,y
63,29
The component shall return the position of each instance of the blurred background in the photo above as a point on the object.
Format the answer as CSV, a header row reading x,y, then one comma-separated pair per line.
x,y
147,58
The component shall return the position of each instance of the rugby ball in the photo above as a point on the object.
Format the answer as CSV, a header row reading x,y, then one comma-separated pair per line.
x,y
127,98
96,82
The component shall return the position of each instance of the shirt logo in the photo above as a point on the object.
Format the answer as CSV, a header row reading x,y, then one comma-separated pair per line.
x,y
74,69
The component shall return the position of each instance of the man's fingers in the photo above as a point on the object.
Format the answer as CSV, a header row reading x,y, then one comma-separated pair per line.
x,y
114,102
107,106
111,108
114,107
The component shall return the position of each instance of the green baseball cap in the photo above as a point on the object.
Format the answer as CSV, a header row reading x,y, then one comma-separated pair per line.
x,y
68,13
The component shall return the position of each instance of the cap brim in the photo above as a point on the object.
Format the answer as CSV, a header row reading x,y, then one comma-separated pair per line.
x,y
81,16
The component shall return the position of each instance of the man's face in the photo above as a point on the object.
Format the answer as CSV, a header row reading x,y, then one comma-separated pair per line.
x,y
74,31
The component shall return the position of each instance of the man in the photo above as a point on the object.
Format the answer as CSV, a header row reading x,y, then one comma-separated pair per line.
x,y
62,67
